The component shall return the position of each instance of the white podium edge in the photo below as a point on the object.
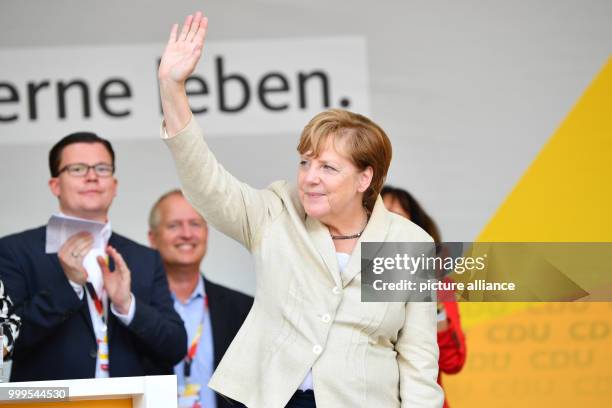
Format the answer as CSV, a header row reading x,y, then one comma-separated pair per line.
x,y
146,392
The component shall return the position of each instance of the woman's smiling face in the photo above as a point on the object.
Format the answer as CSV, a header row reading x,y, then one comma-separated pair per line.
x,y
330,184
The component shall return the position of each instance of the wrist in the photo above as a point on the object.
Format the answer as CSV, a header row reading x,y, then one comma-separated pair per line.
x,y
123,307
168,85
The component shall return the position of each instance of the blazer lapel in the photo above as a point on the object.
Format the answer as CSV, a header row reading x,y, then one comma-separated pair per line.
x,y
322,241
84,310
375,231
110,318
218,320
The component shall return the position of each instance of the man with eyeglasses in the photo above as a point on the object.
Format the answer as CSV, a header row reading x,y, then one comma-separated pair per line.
x,y
71,328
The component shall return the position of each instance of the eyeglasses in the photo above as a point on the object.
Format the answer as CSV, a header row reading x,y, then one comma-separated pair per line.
x,y
81,169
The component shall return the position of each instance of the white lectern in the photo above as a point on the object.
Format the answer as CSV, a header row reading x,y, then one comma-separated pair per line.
x,y
142,392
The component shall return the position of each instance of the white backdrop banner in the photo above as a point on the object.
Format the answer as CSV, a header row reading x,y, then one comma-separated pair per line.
x,y
240,87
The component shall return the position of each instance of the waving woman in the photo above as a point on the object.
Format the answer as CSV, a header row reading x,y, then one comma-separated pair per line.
x,y
308,338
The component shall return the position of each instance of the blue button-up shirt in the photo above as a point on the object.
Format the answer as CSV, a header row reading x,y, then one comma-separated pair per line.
x,y
193,312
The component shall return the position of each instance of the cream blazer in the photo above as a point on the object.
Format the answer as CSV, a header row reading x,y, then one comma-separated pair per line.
x,y
306,314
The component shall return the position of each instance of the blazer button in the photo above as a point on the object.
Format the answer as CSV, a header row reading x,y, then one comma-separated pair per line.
x,y
326,318
93,353
317,349
336,290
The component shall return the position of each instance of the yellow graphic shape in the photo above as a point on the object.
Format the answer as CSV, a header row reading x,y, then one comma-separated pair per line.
x,y
548,354
476,313
566,193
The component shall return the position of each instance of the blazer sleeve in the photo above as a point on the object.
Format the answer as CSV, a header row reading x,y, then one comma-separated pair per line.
x,y
157,325
417,355
40,312
452,342
231,206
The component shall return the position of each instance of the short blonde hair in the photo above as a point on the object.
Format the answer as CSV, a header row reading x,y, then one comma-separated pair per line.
x,y
365,144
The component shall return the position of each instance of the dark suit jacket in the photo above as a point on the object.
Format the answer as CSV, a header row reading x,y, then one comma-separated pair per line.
x,y
57,339
228,309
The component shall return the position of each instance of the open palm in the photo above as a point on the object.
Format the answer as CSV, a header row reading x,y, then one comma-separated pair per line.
x,y
184,49
117,283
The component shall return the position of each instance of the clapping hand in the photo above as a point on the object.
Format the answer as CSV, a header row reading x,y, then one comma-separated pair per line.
x,y
117,282
71,255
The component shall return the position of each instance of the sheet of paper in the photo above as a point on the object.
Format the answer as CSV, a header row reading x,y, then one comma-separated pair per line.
x,y
60,228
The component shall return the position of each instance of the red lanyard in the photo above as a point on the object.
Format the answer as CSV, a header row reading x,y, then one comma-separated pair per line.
x,y
193,348
97,301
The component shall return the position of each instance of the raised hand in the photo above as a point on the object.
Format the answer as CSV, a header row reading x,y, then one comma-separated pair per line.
x,y
117,282
184,49
180,58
